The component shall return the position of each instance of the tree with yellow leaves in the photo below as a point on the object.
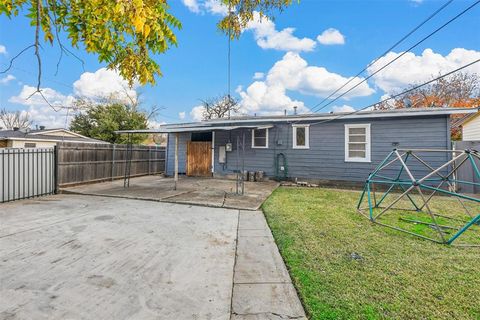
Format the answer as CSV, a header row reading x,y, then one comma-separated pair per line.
x,y
123,33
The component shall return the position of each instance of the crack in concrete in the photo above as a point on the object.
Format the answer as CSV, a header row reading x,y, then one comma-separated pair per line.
x,y
225,199
278,315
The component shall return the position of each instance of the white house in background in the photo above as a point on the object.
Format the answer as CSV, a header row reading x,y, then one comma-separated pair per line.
x,y
43,138
471,128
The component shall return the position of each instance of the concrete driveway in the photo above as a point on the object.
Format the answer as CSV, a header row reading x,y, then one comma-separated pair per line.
x,y
86,257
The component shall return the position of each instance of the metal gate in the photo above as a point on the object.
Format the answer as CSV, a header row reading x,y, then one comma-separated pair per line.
x,y
467,172
27,173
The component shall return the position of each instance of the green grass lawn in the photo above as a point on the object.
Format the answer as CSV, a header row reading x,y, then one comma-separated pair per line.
x,y
345,267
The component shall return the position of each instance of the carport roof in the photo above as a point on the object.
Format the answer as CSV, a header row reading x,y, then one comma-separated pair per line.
x,y
194,129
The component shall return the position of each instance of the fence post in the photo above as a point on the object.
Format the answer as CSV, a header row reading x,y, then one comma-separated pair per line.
x,y
55,167
113,163
149,159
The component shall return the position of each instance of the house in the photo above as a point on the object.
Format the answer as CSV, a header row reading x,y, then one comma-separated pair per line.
x,y
327,147
42,138
469,125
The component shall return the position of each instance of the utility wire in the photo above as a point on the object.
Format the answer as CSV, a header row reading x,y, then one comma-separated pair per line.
x,y
402,54
229,53
384,53
399,94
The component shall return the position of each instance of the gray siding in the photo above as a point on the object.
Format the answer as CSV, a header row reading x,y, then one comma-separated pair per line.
x,y
325,159
182,153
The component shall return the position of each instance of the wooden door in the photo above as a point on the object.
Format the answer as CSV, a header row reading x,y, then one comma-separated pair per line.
x,y
199,158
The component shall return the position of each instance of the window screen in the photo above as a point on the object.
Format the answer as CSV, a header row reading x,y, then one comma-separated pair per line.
x,y
357,143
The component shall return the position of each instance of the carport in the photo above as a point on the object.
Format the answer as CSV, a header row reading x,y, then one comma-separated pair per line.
x,y
197,187
207,146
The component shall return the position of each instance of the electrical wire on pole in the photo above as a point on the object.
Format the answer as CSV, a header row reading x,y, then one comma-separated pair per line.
x,y
229,54
400,55
385,52
399,94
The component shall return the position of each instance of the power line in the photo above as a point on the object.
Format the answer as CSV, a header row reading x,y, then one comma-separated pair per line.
x,y
402,54
399,94
384,53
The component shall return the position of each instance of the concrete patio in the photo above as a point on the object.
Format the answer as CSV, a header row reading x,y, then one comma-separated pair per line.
x,y
202,191
93,257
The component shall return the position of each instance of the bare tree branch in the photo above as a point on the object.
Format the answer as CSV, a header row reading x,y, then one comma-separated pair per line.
x,y
13,59
220,107
15,119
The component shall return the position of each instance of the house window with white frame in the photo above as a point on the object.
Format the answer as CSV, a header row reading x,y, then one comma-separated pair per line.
x,y
357,143
260,138
301,136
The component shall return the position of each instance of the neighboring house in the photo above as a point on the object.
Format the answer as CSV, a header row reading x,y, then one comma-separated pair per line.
x,y
44,138
334,147
470,126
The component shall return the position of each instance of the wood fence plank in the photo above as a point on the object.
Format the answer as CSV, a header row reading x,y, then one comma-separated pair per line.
x,y
83,163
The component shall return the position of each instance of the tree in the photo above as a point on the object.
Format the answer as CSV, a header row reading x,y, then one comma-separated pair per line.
x,y
460,90
100,122
222,107
15,119
124,33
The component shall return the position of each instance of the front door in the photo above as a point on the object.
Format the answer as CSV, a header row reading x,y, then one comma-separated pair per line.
x,y
199,158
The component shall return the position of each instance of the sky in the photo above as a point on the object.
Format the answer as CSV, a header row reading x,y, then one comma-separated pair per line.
x,y
302,56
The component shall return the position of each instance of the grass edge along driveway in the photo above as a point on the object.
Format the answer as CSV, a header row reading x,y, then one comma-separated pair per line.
x,y
345,267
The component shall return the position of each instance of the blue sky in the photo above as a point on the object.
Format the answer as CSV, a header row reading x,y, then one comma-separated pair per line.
x,y
292,67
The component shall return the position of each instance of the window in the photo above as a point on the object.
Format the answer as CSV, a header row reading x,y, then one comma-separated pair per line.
x,y
301,136
357,142
260,138
30,145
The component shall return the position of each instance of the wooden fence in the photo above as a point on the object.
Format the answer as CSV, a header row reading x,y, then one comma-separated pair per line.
x,y
85,163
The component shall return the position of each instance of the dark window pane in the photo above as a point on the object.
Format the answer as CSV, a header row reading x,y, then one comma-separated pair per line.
x,y
300,136
260,138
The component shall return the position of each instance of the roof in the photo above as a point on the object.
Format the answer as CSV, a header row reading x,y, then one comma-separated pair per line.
x,y
40,135
250,121
464,119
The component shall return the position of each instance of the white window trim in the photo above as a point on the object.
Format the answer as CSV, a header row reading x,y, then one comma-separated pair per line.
x,y
367,145
307,136
253,139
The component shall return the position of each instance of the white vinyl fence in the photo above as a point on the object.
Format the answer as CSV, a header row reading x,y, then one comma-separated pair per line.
x,y
26,173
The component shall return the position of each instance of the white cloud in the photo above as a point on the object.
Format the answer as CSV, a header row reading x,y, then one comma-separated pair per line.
x,y
104,83
7,79
416,2
54,98
181,115
3,49
263,98
344,108
216,7
40,111
331,36
196,114
292,73
95,86
268,37
154,124
412,69
258,76
192,5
